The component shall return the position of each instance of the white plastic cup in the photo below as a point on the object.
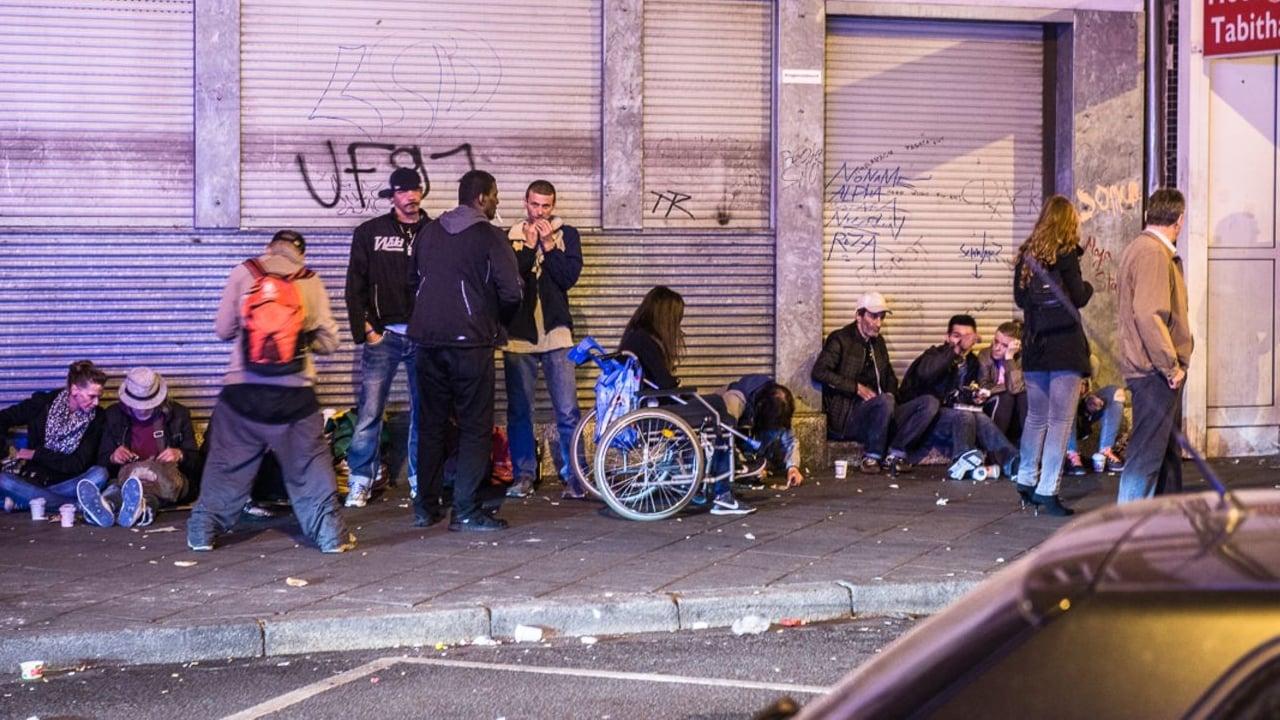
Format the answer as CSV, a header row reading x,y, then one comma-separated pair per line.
x,y
37,509
68,512
842,469
32,670
1099,462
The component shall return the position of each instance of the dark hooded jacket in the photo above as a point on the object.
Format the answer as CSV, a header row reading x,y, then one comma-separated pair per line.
x,y
468,284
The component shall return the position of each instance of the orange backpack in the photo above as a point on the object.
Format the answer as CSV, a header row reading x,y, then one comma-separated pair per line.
x,y
271,316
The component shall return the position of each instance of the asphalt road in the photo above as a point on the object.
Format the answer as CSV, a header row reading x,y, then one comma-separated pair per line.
x,y
701,674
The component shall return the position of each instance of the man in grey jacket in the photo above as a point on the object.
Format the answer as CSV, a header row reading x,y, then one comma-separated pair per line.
x,y
468,288
268,399
1155,348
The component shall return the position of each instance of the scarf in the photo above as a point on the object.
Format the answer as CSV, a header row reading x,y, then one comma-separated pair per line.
x,y
516,236
65,427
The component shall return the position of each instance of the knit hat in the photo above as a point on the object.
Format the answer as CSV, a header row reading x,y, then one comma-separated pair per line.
x,y
143,389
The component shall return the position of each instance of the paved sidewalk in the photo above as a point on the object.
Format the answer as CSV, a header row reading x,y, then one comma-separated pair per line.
x,y
829,549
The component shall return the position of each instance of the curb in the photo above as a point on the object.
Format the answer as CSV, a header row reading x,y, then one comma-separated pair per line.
x,y
608,614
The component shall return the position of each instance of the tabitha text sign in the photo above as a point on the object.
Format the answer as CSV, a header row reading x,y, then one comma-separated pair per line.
x,y
1241,27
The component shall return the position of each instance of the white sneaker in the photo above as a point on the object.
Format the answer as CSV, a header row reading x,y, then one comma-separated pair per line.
x,y
357,493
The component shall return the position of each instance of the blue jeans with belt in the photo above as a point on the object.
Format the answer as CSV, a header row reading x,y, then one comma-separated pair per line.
x,y
378,364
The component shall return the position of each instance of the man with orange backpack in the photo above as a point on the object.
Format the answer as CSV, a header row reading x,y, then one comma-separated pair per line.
x,y
276,312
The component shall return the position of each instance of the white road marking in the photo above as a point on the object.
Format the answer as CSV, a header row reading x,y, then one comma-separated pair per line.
x,y
303,693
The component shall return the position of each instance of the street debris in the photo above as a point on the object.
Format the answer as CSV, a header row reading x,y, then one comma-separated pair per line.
x,y
295,582
793,622
750,625
527,633
588,640
165,529
749,536
483,641
893,486
942,502
185,563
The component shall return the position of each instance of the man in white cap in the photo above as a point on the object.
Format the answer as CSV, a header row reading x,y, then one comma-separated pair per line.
x,y
858,392
149,447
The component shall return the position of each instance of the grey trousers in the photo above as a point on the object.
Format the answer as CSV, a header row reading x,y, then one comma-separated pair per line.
x,y
236,448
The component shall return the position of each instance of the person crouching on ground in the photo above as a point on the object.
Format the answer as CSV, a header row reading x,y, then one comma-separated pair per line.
x,y
149,448
63,427
766,407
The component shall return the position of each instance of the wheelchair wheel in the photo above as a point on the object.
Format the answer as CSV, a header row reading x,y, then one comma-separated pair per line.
x,y
583,454
649,465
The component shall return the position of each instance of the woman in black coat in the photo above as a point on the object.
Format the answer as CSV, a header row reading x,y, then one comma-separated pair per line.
x,y
1047,285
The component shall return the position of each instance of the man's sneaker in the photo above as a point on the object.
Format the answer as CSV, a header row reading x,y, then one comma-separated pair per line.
x,y
199,543
95,509
896,466
966,464
357,493
132,503
1115,463
338,546
522,487
1075,466
869,466
257,511
478,522
726,504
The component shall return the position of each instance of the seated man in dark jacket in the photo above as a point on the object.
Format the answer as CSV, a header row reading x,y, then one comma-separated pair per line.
x,y
149,448
63,427
858,392
949,373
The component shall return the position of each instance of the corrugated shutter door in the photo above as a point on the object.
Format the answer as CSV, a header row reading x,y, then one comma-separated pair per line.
x,y
96,128
935,170
335,95
707,121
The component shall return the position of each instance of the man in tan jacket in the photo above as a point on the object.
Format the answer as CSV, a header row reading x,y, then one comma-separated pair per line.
x,y
1155,348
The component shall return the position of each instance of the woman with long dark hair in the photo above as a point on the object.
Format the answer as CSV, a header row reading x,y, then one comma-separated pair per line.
x,y
1055,352
655,336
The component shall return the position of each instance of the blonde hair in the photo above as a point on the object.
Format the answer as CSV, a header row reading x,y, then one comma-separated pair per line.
x,y
1057,232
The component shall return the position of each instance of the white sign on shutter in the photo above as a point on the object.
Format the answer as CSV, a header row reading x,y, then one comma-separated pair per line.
x,y
335,95
934,171
96,124
707,96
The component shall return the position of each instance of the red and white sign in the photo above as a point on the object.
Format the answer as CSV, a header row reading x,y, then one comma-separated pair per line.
x,y
1241,27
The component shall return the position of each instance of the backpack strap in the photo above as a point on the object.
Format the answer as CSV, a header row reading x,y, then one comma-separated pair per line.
x,y
255,268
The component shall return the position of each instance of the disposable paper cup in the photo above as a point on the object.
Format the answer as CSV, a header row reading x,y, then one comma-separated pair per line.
x,y
842,469
32,670
37,509
68,513
1099,462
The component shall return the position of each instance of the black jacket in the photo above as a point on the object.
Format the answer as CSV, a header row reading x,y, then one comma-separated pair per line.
x,y
1066,349
178,433
51,466
838,367
652,360
467,280
560,271
938,372
379,274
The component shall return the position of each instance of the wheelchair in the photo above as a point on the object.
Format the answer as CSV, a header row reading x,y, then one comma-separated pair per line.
x,y
646,452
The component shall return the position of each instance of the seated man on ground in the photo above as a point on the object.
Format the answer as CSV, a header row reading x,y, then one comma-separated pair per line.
x,y
1001,389
1105,405
949,373
63,428
149,448
858,392
765,408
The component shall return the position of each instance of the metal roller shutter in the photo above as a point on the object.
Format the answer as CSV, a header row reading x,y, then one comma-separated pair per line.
x,y
707,119
935,171
335,95
97,126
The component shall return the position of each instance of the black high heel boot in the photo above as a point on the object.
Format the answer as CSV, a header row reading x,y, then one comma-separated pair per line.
x,y
1026,493
1052,504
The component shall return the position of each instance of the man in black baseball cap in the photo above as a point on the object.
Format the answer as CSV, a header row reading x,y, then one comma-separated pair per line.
x,y
379,299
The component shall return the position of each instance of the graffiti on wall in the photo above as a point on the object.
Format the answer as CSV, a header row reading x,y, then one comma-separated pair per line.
x,y
368,158
1106,200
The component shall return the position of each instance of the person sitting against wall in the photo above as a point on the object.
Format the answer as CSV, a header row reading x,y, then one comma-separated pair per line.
x,y
1106,407
63,430
1001,389
655,337
149,447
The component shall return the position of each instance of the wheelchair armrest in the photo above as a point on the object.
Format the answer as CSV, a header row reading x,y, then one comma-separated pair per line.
x,y
652,393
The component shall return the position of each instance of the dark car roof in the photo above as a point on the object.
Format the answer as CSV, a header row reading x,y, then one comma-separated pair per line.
x,y
1182,543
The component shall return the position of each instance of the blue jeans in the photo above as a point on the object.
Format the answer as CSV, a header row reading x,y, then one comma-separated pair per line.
x,y
378,365
521,373
1052,397
23,492
1112,412
1153,460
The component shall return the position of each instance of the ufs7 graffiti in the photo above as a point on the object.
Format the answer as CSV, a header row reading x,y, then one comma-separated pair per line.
x,y
396,156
